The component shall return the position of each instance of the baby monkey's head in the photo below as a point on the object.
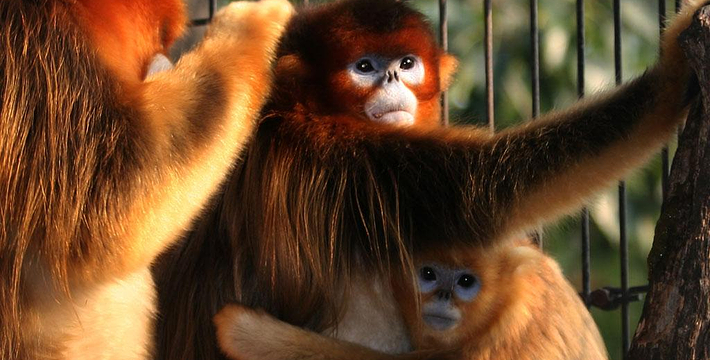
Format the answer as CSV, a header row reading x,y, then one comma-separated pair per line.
x,y
464,293
444,290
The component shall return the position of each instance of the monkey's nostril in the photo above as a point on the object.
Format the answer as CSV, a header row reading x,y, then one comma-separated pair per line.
x,y
444,295
389,76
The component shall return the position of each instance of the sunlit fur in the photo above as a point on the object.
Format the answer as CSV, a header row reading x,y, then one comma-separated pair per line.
x,y
100,170
323,193
524,310
158,22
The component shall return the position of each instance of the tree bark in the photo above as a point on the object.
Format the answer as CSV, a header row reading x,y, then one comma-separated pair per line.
x,y
675,323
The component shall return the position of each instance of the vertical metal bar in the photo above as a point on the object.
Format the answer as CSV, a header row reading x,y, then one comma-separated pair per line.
x,y
444,40
624,252
535,70
586,246
586,258
665,156
623,242
665,170
488,35
535,77
212,8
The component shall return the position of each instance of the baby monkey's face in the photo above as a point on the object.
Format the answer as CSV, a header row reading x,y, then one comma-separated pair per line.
x,y
444,292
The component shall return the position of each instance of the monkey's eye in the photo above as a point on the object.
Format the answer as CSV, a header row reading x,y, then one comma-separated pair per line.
x,y
466,281
427,274
407,63
364,66
467,286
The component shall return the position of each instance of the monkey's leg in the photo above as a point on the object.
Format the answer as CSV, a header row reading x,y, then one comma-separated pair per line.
x,y
193,121
247,334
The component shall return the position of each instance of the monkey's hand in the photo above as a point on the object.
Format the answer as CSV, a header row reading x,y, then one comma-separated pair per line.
x,y
249,19
248,334
673,64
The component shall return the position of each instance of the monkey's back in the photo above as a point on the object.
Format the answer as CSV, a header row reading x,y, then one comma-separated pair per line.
x,y
545,317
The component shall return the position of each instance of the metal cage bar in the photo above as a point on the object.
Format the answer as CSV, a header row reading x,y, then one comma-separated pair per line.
x,y
535,80
488,35
586,242
535,64
665,156
623,240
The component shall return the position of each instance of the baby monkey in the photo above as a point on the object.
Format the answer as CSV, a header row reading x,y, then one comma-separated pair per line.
x,y
508,301
504,302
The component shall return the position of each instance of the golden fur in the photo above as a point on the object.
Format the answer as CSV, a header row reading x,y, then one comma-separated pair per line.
x,y
100,170
525,308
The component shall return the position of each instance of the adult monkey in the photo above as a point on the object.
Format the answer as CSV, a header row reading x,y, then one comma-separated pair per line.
x,y
101,169
328,199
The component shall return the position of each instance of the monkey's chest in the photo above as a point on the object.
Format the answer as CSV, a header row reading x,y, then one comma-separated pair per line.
x,y
372,319
112,320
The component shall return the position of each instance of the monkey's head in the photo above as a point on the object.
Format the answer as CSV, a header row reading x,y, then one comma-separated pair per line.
x,y
466,293
377,59
128,34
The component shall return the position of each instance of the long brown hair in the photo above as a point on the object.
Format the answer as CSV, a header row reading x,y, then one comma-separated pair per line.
x,y
55,102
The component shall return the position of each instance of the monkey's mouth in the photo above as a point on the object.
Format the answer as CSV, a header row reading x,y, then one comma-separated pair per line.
x,y
398,117
439,322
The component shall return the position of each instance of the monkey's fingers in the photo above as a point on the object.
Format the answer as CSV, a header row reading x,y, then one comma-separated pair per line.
x,y
247,18
673,62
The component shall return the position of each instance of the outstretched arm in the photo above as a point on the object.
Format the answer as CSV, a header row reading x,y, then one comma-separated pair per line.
x,y
451,183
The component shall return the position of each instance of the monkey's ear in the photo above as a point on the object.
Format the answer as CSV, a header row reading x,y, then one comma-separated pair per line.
x,y
291,66
447,67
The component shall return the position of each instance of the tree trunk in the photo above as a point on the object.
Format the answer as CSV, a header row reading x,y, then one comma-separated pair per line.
x,y
676,316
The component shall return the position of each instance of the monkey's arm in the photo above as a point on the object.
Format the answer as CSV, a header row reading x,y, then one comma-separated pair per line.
x,y
247,334
451,183
547,168
190,122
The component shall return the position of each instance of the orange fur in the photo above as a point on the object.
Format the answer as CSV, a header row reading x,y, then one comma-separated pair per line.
x,y
127,43
101,170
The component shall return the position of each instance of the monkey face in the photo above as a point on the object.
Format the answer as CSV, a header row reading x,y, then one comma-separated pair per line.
x,y
374,59
460,294
389,81
443,291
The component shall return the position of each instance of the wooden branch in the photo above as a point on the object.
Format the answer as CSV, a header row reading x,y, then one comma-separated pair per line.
x,y
676,316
